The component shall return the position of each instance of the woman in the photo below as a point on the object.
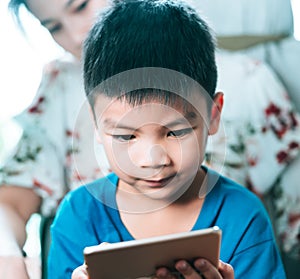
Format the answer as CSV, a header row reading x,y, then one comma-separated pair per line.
x,y
51,157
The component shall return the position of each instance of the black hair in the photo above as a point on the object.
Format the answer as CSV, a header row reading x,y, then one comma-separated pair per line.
x,y
147,35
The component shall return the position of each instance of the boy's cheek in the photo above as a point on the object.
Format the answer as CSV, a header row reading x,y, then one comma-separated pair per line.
x,y
119,158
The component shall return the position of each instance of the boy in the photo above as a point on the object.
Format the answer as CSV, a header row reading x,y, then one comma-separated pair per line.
x,y
150,77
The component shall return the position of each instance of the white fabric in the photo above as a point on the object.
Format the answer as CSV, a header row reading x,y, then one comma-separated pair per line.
x,y
247,17
260,17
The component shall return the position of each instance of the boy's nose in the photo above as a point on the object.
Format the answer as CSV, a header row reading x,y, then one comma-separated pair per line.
x,y
155,156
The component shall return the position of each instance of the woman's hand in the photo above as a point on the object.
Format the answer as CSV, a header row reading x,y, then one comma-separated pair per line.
x,y
13,267
202,269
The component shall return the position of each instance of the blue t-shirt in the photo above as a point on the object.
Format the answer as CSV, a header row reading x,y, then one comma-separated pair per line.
x,y
88,216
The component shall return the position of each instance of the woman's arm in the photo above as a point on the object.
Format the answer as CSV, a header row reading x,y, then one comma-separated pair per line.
x,y
17,204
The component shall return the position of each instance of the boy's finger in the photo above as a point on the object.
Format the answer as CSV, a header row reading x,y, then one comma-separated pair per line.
x,y
226,270
207,270
187,270
104,243
163,273
80,273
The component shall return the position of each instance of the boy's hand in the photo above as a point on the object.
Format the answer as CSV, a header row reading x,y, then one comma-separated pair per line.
x,y
202,266
80,273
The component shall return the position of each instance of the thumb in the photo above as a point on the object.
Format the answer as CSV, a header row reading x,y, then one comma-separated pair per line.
x,y
226,270
80,272
103,244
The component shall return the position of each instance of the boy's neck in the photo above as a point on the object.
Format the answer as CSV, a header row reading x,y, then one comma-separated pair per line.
x,y
171,219
192,193
150,223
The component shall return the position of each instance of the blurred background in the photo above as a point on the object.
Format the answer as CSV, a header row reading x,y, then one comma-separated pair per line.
x,y
22,58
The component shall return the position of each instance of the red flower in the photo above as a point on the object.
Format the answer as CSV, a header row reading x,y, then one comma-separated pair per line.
x,y
293,218
36,108
294,120
70,133
264,129
41,186
272,109
294,145
41,100
54,74
282,157
252,162
78,177
281,133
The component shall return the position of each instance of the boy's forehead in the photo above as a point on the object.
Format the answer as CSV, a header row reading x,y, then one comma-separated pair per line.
x,y
112,111
139,85
193,103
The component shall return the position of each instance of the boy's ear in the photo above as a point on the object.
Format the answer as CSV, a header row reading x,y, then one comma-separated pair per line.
x,y
215,115
92,114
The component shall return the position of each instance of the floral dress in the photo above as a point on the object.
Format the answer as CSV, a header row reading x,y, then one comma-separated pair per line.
x,y
274,177
258,142
57,150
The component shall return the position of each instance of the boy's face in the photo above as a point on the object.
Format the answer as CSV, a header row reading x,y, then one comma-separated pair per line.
x,y
155,149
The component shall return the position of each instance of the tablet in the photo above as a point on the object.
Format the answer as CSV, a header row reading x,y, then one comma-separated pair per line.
x,y
140,258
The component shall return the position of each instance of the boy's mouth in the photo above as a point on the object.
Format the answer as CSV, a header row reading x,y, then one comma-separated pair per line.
x,y
160,182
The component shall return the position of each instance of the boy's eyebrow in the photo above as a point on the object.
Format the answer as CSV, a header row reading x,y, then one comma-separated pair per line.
x,y
109,123
183,120
190,116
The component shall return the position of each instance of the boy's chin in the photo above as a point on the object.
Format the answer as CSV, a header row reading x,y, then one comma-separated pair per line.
x,y
145,199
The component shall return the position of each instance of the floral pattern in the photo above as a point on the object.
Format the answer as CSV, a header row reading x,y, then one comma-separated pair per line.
x,y
54,154
259,141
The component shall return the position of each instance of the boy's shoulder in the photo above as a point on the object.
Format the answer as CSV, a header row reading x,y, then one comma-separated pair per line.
x,y
88,202
99,189
231,192
229,203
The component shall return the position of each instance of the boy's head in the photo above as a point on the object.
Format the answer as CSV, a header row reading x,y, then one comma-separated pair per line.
x,y
149,33
150,76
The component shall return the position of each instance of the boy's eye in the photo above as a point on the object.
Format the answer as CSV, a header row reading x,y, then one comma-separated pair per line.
x,y
82,6
180,133
123,138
